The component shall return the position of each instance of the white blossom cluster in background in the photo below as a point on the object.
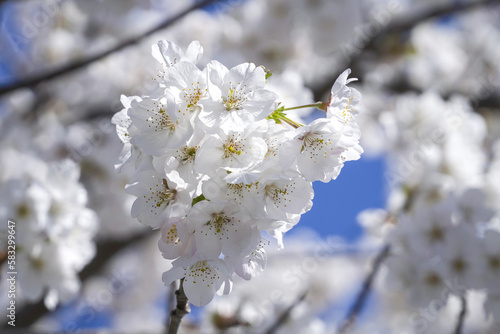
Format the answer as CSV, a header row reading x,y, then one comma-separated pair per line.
x,y
440,220
430,111
303,274
53,226
300,46
217,162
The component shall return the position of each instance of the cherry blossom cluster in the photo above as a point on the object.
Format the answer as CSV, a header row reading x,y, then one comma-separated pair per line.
x,y
54,228
216,162
443,209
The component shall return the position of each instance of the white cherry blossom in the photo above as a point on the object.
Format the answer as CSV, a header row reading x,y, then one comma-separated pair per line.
x,y
169,54
176,239
158,197
315,151
157,126
234,150
221,227
251,265
202,278
190,86
216,162
276,196
238,98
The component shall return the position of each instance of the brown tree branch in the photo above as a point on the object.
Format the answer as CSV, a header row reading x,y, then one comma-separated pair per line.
x,y
461,315
37,79
400,24
488,98
284,316
360,301
180,311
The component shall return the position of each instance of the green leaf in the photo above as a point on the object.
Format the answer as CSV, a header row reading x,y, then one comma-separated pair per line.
x,y
198,199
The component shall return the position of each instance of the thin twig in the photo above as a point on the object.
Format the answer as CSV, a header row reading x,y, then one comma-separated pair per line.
x,y
408,22
399,24
180,311
172,288
360,301
284,316
461,315
35,80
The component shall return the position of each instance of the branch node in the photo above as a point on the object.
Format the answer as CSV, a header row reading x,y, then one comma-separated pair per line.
x,y
182,308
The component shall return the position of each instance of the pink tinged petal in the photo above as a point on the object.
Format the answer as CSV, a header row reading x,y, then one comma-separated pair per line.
x,y
221,266
170,244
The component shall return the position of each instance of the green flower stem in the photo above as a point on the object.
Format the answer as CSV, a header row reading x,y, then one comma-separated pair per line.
x,y
290,122
279,115
319,105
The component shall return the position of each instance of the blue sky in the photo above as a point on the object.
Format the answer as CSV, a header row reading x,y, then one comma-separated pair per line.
x,y
336,204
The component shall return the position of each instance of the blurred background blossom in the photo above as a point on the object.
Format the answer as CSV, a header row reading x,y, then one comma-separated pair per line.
x,y
415,222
